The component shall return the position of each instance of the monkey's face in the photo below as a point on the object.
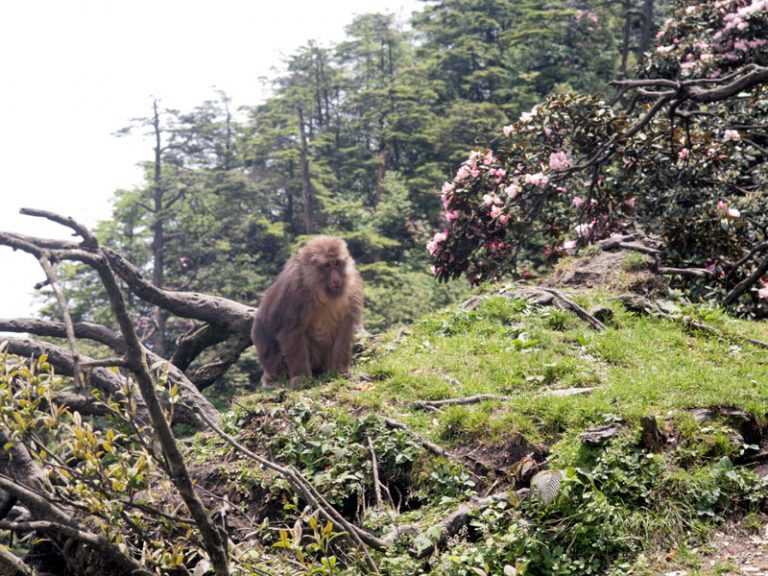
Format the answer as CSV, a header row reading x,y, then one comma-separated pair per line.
x,y
333,273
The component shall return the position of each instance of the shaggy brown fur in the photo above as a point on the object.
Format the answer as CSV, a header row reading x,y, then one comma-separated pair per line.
x,y
307,319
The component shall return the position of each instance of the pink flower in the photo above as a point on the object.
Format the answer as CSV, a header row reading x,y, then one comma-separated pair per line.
x,y
452,215
496,211
683,154
538,179
740,45
503,219
462,174
630,202
731,136
722,207
762,293
559,161
665,49
434,270
489,158
434,244
448,188
508,130
490,199
577,201
474,172
732,214
512,190
569,244
498,173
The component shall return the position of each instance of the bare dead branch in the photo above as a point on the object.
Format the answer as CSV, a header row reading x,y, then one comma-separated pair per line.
x,y
88,330
53,280
755,250
575,308
96,541
89,240
14,564
474,465
106,363
375,468
204,376
309,493
695,272
190,345
212,309
429,404
105,380
214,541
747,283
756,76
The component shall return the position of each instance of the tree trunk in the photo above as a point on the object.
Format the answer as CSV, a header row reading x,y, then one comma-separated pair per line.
x,y
158,235
646,31
306,184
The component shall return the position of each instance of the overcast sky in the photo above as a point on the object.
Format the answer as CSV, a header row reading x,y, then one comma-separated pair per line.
x,y
74,71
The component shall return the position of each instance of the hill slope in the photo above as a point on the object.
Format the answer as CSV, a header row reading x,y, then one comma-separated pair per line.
x,y
640,438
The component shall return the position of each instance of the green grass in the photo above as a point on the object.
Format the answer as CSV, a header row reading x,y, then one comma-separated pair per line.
x,y
640,366
617,500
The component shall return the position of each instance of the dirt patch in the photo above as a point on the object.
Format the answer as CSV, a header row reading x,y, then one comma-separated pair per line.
x,y
619,270
504,455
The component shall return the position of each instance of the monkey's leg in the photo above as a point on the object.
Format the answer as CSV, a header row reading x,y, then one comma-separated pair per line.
x,y
341,353
271,360
293,344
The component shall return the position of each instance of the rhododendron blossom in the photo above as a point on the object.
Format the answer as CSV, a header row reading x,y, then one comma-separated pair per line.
x,y
684,153
559,161
508,130
538,179
569,244
452,215
462,174
731,136
512,190
490,199
577,201
434,244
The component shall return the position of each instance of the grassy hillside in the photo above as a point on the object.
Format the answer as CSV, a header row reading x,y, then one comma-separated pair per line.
x,y
612,502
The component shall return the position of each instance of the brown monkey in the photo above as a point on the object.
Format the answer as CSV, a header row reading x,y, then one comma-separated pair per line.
x,y
307,318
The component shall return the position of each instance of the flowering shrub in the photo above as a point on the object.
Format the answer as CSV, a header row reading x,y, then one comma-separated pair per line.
x,y
685,161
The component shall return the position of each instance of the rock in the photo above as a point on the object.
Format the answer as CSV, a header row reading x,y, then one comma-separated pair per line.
x,y
600,435
546,485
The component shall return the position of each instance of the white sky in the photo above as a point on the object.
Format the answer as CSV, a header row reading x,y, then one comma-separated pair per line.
x,y
74,71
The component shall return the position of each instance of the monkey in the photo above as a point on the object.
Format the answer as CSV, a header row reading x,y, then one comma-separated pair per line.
x,y
306,320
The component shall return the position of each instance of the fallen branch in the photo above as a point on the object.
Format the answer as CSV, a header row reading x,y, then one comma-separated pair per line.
x,y
310,495
111,551
474,464
457,520
695,272
376,481
434,405
53,281
575,308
